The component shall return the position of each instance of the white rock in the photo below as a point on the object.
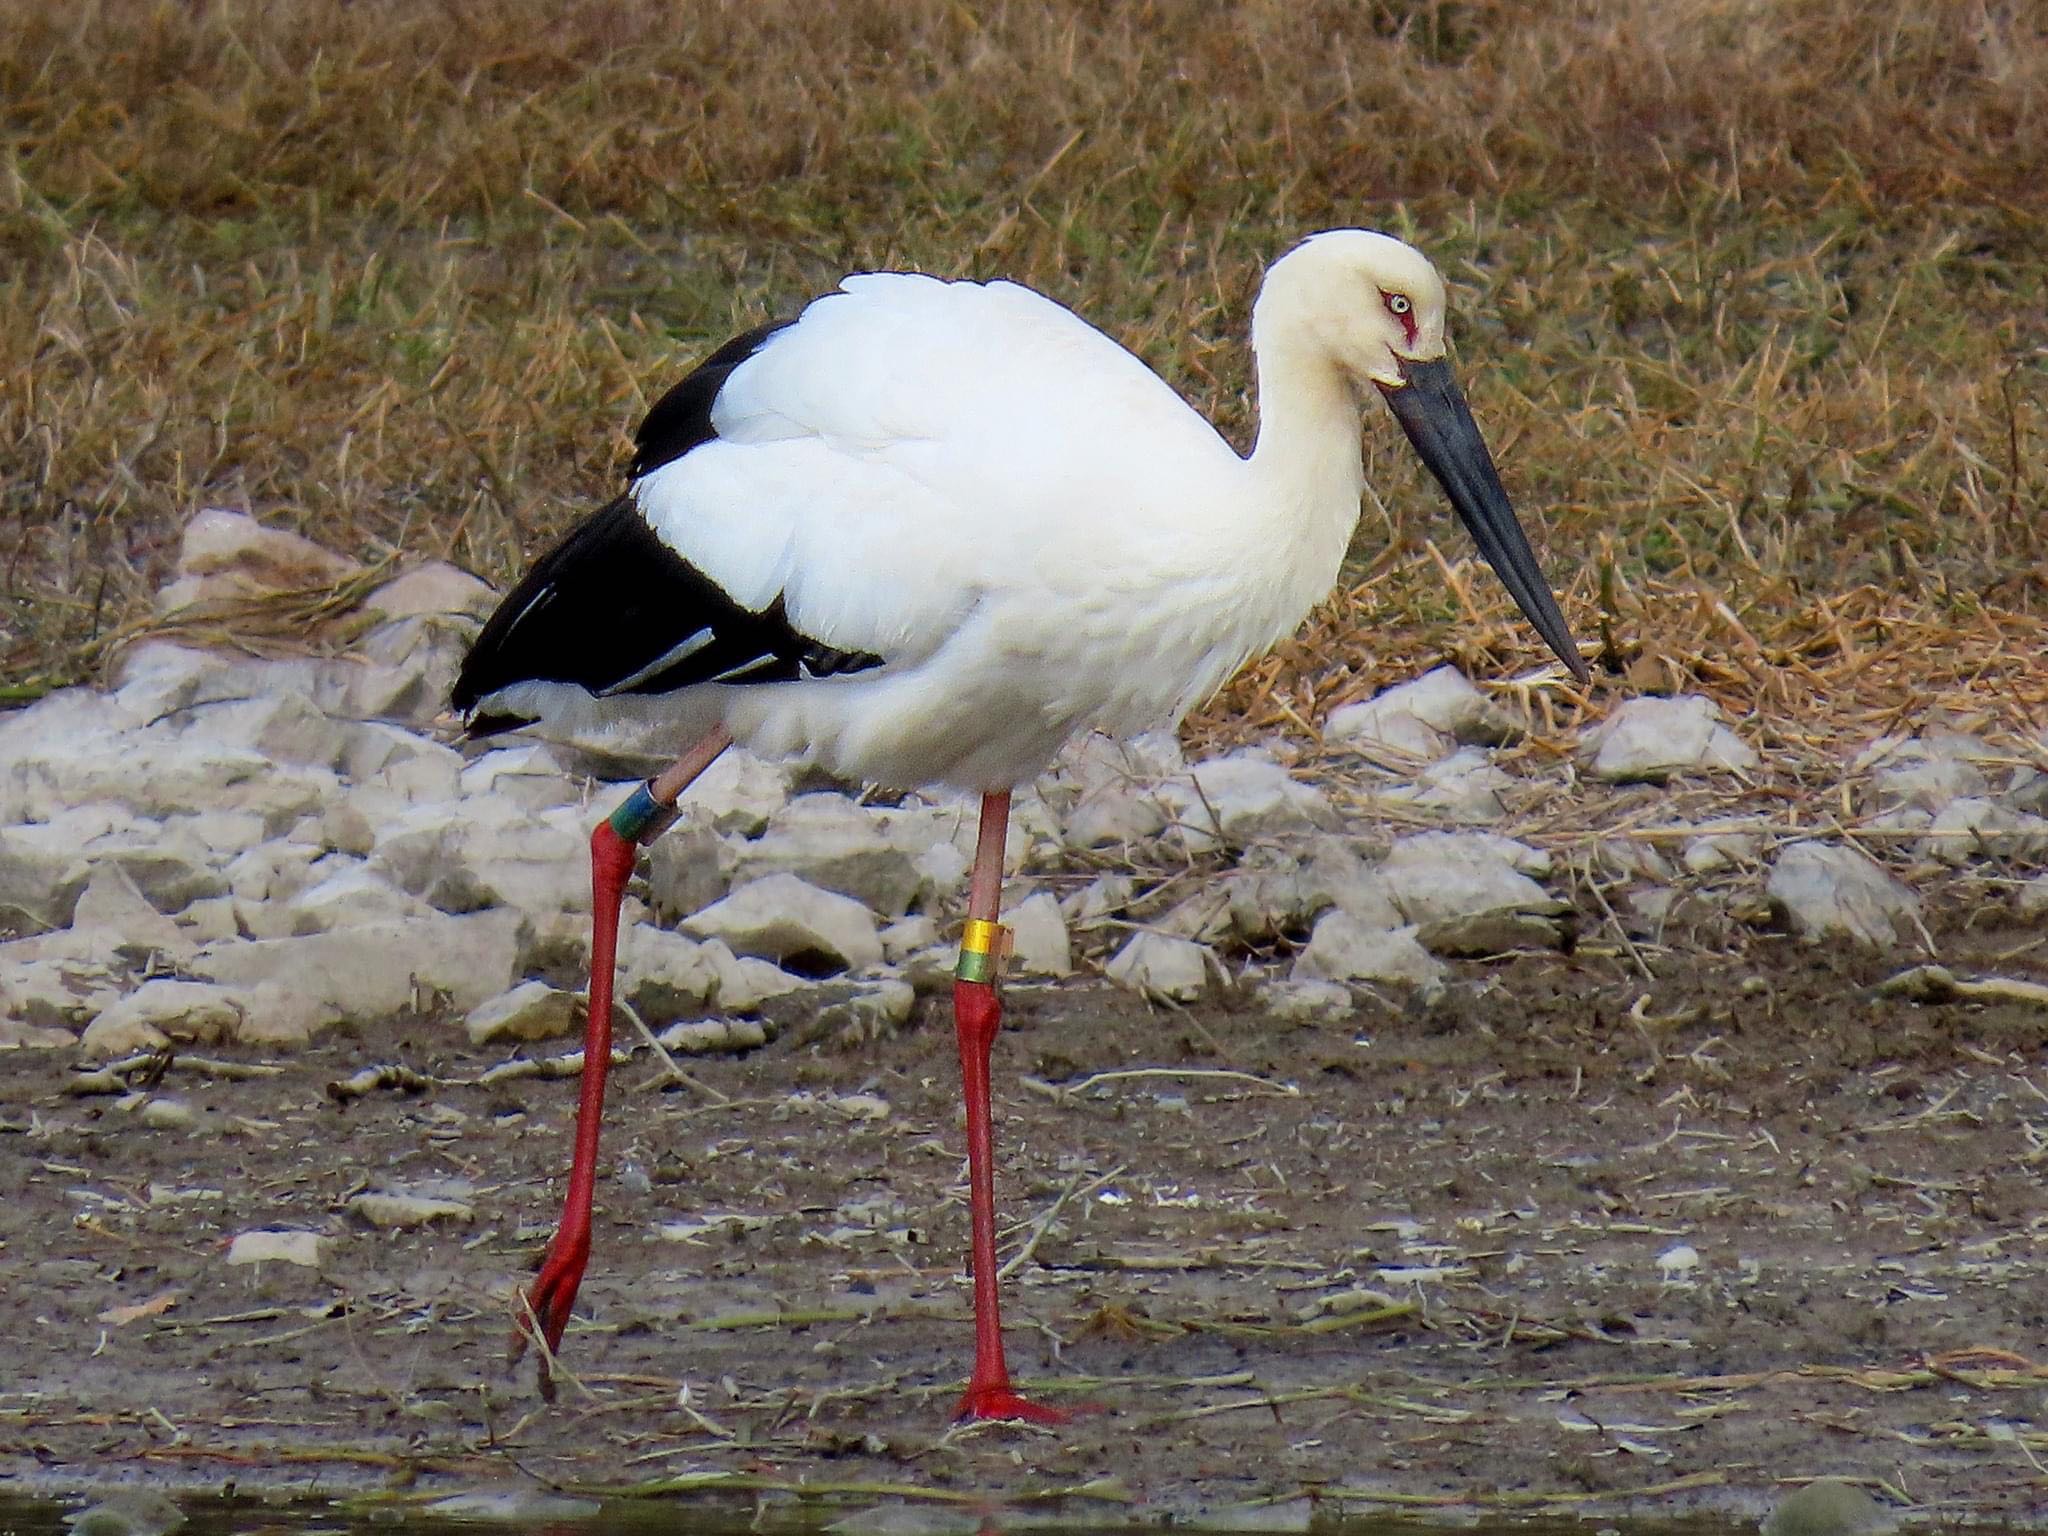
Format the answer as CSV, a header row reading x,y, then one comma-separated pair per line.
x,y
41,876
2027,791
942,871
907,935
871,1013
837,845
272,872
389,766
404,669
1825,891
228,556
377,969
490,853
1240,798
1344,949
1163,968
168,865
54,992
433,588
162,683
270,1245
344,828
1106,791
280,1013
713,1037
1973,827
1712,852
214,918
1331,874
744,983
162,1011
2032,900
1464,787
1038,935
1424,718
18,1034
1433,876
782,918
1630,858
223,834
1099,901
533,1010
664,974
1115,815
1647,740
529,776
1676,1264
400,1211
738,794
688,868
286,727
1924,772
156,773
1306,1000
112,902
343,892
161,1114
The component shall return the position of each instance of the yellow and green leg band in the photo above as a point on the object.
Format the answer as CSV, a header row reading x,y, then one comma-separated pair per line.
x,y
983,948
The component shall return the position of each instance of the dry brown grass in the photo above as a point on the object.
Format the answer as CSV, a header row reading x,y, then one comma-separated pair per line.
x,y
1752,291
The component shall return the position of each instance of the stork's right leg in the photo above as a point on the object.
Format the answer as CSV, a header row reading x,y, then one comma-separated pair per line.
x,y
977,1015
644,816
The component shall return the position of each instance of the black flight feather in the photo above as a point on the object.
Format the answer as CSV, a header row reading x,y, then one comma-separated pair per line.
x,y
607,605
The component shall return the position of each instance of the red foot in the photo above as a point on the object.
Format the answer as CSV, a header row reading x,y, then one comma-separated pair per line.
x,y
547,1302
1003,1403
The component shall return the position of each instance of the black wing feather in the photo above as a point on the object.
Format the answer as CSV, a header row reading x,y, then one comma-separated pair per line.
x,y
603,607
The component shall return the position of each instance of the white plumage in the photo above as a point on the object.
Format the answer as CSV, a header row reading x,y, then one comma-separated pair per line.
x,y
1032,530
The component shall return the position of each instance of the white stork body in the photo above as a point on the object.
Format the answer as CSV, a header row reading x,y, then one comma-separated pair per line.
x,y
972,483
927,532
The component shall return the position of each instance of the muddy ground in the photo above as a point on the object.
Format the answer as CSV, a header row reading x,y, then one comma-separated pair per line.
x,y
1570,1240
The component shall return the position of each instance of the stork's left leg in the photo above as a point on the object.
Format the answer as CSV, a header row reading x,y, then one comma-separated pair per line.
x,y
646,813
977,1015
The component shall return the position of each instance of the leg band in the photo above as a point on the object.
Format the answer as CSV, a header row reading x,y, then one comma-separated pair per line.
x,y
983,948
641,818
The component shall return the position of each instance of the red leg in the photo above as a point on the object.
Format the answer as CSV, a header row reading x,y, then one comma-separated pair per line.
x,y
977,1015
644,816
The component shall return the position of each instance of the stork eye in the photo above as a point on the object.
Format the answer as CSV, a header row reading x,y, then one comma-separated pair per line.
x,y
1397,303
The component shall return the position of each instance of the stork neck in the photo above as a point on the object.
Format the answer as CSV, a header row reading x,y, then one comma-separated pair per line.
x,y
1307,461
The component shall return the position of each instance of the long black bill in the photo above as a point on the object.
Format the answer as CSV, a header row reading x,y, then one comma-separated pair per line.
x,y
1432,411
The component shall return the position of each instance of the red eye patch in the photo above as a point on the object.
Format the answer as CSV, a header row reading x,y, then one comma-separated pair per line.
x,y
1402,308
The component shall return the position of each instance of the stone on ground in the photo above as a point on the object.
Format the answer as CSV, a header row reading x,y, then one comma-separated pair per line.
x,y
1824,891
1342,948
159,1012
783,918
1163,968
1240,798
1425,718
378,969
1648,740
1038,937
533,1010
228,557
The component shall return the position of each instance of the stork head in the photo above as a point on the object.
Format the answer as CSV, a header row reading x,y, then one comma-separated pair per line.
x,y
1370,302
1372,308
